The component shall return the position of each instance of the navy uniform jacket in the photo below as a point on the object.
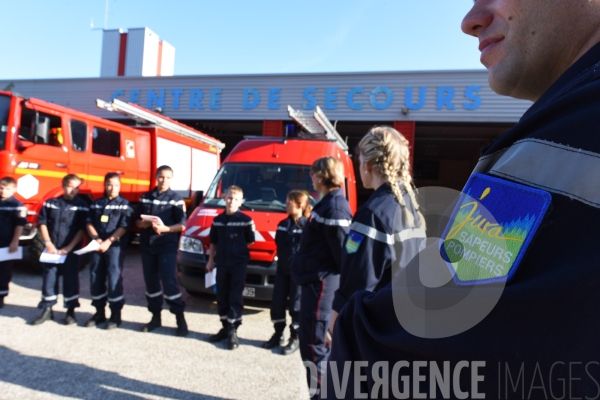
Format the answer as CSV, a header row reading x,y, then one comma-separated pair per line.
x,y
63,218
109,215
287,240
170,207
322,240
377,234
12,213
548,313
231,234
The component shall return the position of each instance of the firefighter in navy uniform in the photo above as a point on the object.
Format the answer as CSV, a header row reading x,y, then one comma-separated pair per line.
x,y
13,216
230,235
108,223
389,219
158,247
316,265
61,224
286,293
546,319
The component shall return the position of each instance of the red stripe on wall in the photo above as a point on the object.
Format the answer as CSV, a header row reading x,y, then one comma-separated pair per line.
x,y
159,58
122,54
407,129
273,128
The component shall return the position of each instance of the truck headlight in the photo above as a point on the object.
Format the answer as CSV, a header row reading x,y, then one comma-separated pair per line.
x,y
191,245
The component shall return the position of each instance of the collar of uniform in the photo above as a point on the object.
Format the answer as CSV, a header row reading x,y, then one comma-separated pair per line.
x,y
109,200
334,193
8,199
156,195
562,84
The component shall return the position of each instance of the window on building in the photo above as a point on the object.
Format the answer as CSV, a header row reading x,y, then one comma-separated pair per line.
x,y
79,135
106,142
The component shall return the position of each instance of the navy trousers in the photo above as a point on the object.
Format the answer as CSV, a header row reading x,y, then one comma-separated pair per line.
x,y
315,316
161,281
231,280
107,266
70,272
5,277
286,294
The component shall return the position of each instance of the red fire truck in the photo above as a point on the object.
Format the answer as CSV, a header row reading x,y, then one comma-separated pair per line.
x,y
266,168
40,142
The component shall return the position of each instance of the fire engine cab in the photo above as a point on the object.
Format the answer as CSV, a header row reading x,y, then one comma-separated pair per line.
x,y
266,168
40,142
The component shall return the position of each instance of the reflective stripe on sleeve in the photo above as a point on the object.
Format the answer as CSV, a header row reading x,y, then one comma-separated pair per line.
x,y
553,167
331,222
115,299
410,234
49,298
71,298
372,233
154,294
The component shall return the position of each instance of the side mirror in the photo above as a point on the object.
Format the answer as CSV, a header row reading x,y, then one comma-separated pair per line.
x,y
39,129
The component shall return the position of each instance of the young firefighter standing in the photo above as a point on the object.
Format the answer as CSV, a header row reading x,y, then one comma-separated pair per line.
x,y
230,235
286,292
61,223
12,219
108,223
158,246
316,265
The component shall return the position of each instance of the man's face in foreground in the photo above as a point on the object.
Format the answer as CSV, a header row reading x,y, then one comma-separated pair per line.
x,y
527,44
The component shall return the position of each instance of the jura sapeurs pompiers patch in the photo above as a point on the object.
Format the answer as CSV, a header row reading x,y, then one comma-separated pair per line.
x,y
491,228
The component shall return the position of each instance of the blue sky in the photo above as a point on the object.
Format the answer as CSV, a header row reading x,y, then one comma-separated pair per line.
x,y
53,38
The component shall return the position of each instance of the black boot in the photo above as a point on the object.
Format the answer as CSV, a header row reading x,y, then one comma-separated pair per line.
x,y
221,335
291,347
70,317
182,328
233,341
44,316
97,318
276,340
114,320
154,323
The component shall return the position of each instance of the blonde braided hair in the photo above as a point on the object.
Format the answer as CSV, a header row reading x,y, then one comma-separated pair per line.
x,y
387,151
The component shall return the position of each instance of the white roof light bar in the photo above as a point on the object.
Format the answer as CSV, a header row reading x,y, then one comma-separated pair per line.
x,y
318,126
140,115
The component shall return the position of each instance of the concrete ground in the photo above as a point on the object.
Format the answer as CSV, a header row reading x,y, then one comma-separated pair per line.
x,y
54,361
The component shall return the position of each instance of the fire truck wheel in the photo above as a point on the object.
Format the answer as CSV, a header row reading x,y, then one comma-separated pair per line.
x,y
36,248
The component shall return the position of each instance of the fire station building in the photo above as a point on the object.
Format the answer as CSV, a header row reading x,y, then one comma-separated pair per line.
x,y
447,115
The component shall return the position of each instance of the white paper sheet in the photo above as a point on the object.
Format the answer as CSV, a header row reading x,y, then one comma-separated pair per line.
x,y
46,257
151,218
210,279
92,246
5,255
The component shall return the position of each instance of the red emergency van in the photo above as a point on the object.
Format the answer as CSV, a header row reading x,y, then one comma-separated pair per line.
x,y
266,168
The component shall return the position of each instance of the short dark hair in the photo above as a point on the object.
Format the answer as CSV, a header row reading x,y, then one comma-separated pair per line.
x,y
7,180
163,168
70,177
110,176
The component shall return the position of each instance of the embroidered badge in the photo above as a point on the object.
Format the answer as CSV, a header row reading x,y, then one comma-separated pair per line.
x,y
491,228
353,242
23,213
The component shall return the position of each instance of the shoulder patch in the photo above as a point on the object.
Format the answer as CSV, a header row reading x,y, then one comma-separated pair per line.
x,y
23,212
353,241
491,229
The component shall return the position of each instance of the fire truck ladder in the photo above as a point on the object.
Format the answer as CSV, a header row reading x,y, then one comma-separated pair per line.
x,y
317,126
141,115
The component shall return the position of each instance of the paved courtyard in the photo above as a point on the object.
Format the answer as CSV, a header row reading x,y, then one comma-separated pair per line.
x,y
53,361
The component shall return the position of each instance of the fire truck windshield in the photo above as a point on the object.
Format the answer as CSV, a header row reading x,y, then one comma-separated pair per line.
x,y
265,186
4,110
